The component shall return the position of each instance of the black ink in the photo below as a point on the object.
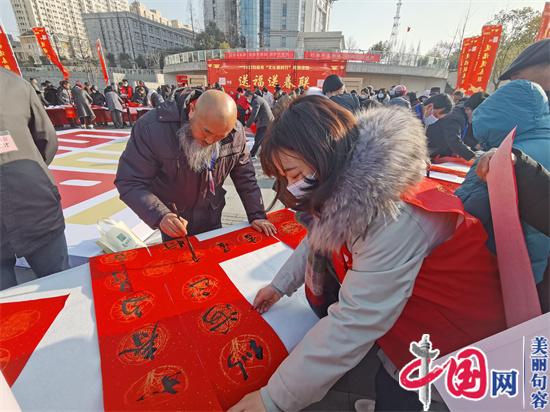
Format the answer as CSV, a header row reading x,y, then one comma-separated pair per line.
x,y
129,309
224,247
251,238
144,347
220,318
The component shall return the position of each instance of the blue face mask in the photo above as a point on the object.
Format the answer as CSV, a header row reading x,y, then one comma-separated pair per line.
x,y
431,119
298,189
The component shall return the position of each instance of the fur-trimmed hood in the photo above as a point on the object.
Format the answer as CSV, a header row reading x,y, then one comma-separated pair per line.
x,y
388,158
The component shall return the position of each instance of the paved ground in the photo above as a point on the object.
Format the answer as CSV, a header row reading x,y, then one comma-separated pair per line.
x,y
233,212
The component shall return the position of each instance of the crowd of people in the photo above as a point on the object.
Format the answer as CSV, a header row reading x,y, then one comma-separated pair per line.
x,y
115,97
381,265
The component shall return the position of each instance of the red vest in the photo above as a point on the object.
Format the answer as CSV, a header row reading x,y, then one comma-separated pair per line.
x,y
456,296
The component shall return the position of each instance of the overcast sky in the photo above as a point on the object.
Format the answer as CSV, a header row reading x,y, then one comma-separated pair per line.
x,y
366,21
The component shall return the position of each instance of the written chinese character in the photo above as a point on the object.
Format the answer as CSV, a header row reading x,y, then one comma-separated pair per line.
x,y
251,238
243,80
288,82
220,318
539,346
539,400
223,246
168,383
131,306
201,288
240,358
303,81
504,383
258,80
539,365
539,381
466,374
120,279
273,80
144,344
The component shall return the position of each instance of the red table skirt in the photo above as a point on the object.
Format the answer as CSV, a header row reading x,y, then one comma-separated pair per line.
x,y
60,115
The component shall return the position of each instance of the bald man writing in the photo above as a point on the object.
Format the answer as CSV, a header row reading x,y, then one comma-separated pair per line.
x,y
180,154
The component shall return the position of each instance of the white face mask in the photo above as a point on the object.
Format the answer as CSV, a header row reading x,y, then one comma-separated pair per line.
x,y
298,189
431,119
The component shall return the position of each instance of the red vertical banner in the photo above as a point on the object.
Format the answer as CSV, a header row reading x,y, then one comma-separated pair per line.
x,y
544,30
7,58
490,39
46,46
468,56
102,61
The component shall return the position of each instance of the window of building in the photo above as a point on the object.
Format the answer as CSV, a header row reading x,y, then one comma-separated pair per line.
x,y
283,41
284,8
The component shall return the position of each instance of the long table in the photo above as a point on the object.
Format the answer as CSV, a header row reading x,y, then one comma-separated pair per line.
x,y
64,373
62,115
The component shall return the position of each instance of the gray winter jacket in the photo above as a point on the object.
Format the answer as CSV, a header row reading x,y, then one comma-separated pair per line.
x,y
83,102
30,208
260,114
389,241
114,102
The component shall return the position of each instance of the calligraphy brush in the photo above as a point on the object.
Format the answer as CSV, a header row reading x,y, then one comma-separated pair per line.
x,y
189,245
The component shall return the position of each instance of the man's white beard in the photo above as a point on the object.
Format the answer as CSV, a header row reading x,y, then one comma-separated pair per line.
x,y
198,156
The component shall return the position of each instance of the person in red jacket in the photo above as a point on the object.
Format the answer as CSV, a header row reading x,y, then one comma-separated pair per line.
x,y
126,91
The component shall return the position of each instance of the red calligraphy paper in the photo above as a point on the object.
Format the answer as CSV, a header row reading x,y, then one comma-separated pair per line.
x,y
514,265
22,327
161,309
289,231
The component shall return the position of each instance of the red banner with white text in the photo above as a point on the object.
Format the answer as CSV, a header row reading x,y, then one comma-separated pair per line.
x,y
343,56
102,61
268,73
544,30
259,55
7,58
46,46
490,40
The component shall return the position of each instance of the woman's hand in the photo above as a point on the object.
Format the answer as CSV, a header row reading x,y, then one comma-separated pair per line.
x,y
266,297
250,403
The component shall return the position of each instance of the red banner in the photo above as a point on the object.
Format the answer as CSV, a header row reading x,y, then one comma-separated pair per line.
x,y
544,31
44,42
259,55
7,58
466,61
182,80
102,61
268,73
490,39
343,56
